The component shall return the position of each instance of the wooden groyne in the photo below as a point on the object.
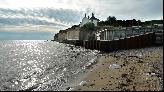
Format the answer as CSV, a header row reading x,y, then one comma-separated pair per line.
x,y
132,42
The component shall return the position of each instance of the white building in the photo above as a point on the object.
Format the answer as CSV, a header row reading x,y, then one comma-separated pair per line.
x,y
86,20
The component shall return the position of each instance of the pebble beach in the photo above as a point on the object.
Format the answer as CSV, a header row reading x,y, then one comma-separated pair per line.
x,y
126,70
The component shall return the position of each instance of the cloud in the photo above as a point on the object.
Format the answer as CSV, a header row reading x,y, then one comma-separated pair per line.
x,y
126,9
65,13
3,3
59,18
28,28
140,9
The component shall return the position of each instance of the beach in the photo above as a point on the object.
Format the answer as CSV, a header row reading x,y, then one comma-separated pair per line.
x,y
126,70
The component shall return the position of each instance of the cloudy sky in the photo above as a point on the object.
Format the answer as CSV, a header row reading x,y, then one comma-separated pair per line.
x,y
54,15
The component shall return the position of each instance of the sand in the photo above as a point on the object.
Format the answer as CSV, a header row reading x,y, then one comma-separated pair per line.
x,y
126,70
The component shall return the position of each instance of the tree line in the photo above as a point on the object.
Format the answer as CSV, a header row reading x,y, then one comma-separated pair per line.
x,y
112,21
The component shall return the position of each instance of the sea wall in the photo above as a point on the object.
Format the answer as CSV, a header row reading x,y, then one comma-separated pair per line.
x,y
87,35
140,41
73,35
112,38
62,36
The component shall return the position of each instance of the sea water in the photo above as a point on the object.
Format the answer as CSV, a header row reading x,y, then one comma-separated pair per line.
x,y
41,65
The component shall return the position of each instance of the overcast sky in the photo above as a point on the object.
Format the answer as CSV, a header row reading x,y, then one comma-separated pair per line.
x,y
54,15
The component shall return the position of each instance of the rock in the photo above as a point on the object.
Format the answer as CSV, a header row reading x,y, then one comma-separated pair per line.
x,y
114,66
140,61
68,88
124,75
31,88
92,84
82,83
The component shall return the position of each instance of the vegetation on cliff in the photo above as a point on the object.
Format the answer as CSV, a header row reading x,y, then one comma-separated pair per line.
x,y
88,26
112,21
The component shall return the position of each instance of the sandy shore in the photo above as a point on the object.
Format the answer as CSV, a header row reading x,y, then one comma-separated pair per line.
x,y
127,70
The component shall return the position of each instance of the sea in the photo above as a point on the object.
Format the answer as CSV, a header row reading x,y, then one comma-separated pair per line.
x,y
38,65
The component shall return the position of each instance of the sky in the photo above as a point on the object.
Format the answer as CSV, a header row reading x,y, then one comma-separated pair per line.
x,y
54,15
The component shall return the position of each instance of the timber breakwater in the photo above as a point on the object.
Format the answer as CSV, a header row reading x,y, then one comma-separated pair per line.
x,y
125,40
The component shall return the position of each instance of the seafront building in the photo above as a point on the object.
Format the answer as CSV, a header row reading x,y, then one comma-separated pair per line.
x,y
86,20
76,33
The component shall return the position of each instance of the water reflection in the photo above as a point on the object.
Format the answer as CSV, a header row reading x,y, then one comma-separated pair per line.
x,y
38,65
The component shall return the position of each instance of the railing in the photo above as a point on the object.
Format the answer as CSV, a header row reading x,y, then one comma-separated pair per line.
x,y
107,34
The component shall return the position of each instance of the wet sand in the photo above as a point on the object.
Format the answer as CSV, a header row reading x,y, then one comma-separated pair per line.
x,y
127,70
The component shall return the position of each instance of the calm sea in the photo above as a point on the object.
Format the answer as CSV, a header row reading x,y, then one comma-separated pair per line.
x,y
41,65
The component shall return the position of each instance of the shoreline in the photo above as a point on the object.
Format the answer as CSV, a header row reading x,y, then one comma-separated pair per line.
x,y
87,69
125,70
